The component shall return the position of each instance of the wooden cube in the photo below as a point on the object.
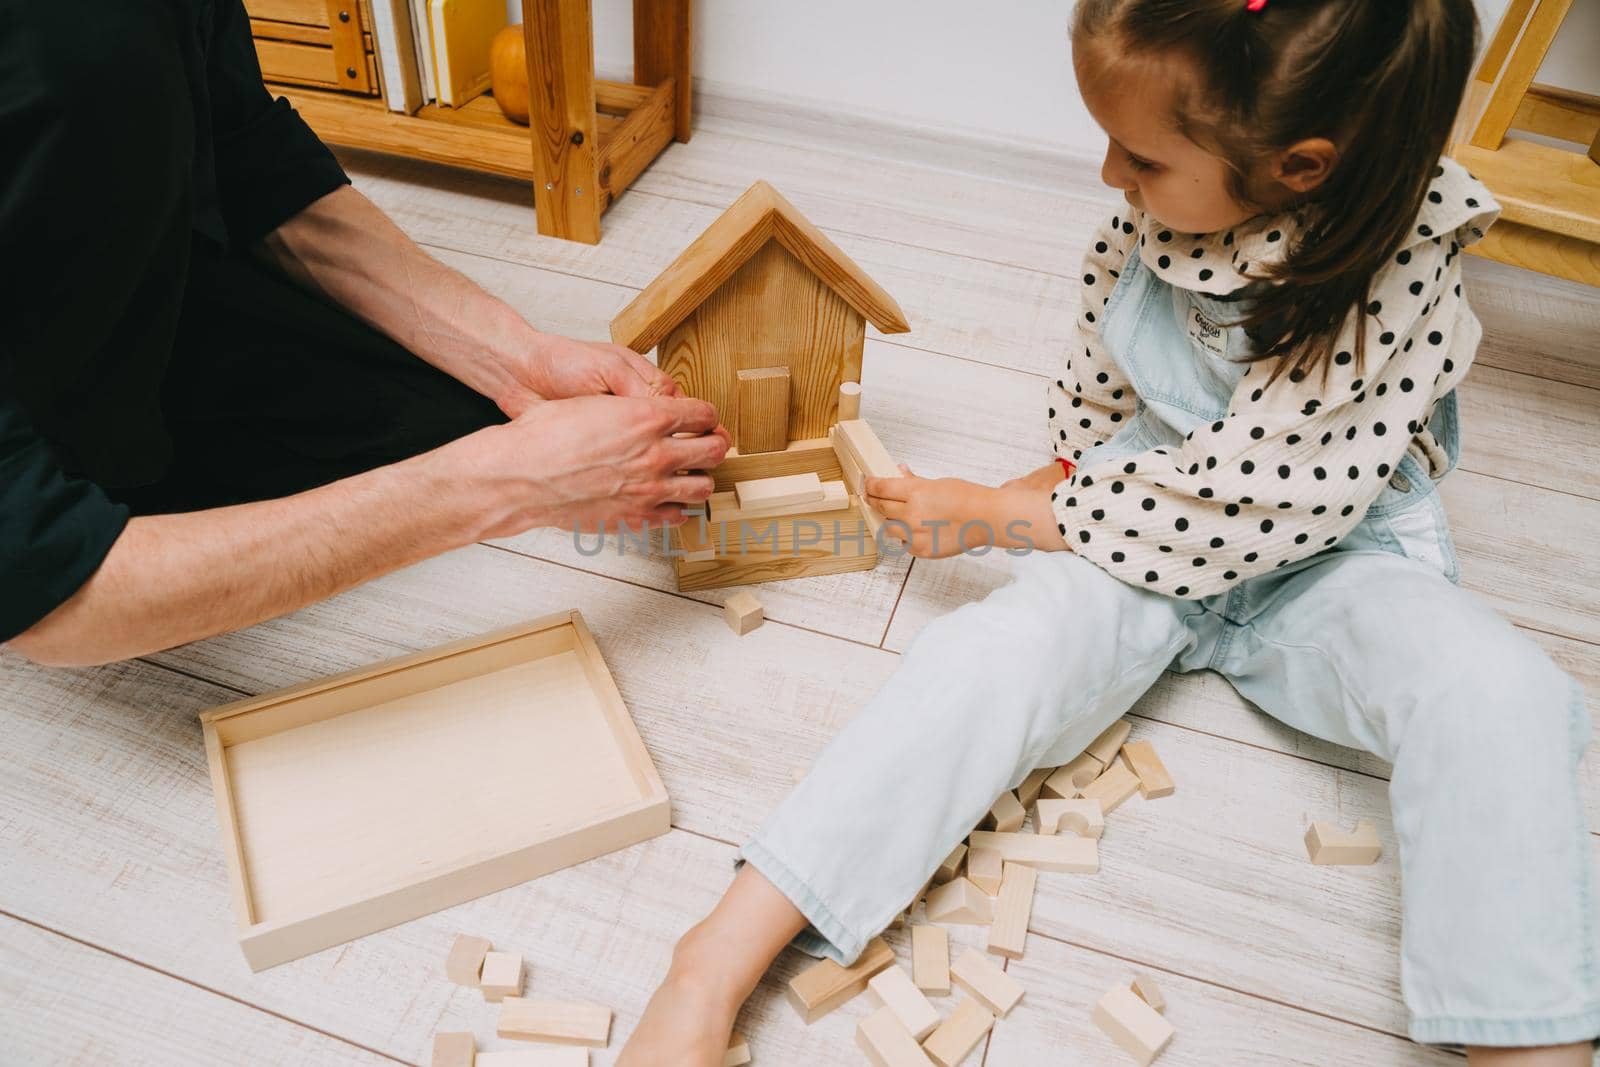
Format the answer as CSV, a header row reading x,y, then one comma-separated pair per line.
x,y
1029,790
501,976
1327,844
951,865
1005,815
1154,781
1141,1030
985,869
1146,989
465,961
1117,784
959,901
1105,747
456,1049
743,612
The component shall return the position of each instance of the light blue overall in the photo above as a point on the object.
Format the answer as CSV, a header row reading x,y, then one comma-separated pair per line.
x,y
1368,644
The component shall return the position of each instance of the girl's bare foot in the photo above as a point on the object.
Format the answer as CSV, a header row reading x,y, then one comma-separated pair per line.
x,y
687,1022
1579,1055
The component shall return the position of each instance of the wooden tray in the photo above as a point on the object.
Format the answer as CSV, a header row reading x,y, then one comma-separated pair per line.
x,y
356,802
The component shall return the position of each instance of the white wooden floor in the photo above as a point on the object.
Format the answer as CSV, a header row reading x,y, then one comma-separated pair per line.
x,y
115,932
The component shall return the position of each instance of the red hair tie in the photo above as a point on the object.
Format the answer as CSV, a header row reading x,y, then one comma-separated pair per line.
x,y
1255,5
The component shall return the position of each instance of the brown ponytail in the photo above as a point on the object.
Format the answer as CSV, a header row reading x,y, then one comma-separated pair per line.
x,y
1382,79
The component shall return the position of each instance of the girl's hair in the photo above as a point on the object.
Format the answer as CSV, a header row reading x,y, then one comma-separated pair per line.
x,y
1381,79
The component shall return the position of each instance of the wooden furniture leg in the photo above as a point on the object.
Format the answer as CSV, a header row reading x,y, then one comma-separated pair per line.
x,y
1512,77
661,50
561,119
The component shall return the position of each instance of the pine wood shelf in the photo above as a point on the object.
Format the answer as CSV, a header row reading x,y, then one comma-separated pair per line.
x,y
587,139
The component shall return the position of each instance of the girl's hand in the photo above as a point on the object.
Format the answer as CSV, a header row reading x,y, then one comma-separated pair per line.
x,y
1046,477
941,517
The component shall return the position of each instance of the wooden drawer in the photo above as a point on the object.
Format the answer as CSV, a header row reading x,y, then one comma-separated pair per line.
x,y
321,43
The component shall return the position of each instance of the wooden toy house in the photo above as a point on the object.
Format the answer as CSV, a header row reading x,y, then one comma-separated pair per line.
x,y
765,317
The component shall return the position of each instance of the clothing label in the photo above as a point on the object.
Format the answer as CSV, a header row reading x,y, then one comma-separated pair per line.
x,y
1207,334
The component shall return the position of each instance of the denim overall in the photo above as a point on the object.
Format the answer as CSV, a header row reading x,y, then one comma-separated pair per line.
x,y
1368,644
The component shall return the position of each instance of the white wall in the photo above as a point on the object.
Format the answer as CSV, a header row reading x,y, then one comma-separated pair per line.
x,y
998,68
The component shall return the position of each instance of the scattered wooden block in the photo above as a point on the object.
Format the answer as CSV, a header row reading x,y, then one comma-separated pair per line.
x,y
825,985
1075,855
1082,815
1105,747
738,1053
454,1049
1029,790
896,991
501,976
1130,1022
983,980
1069,779
535,1057
1154,781
558,1022
959,901
958,1035
930,958
763,410
743,612
951,865
783,490
1328,845
1008,934
465,961
849,401
1145,988
886,1042
985,868
1005,815
1117,784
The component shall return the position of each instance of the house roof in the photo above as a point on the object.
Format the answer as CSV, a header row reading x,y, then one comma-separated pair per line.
x,y
759,216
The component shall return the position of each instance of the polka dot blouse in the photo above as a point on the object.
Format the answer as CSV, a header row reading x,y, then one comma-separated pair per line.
x,y
1293,465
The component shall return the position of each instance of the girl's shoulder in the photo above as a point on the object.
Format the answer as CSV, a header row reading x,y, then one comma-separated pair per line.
x,y
1457,207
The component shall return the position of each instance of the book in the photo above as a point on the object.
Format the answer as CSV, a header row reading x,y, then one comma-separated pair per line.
x,y
462,33
422,42
397,55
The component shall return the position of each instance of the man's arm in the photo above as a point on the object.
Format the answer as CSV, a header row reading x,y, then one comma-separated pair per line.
x,y
575,463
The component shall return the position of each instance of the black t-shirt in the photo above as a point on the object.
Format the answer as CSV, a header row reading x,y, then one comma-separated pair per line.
x,y
128,130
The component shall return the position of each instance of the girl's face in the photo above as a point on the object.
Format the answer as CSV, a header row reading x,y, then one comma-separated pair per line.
x,y
1160,171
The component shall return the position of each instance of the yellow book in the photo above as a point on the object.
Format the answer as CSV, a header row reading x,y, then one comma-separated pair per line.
x,y
462,32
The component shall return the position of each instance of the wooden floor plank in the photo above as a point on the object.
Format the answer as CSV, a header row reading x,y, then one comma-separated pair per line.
x,y
64,1002
1216,1027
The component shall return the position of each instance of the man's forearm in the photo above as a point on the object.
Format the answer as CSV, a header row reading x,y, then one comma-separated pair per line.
x,y
346,248
170,579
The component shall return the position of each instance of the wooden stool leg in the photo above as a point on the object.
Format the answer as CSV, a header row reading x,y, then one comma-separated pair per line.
x,y
567,198
661,50
1516,74
1594,149
1505,35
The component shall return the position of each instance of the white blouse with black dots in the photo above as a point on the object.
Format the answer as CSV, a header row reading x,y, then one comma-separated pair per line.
x,y
1293,466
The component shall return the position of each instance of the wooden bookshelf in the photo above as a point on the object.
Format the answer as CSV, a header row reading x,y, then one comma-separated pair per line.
x,y
587,139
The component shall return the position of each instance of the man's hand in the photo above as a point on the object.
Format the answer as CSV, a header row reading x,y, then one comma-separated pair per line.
x,y
592,463
552,367
940,517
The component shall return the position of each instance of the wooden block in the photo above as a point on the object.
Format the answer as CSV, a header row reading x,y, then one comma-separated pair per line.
x,y
501,976
1028,791
455,1049
1005,815
557,1022
1145,988
869,453
930,958
696,540
1328,845
465,961
738,1053
1069,780
1075,855
774,492
849,401
896,991
1008,935
1117,784
1154,781
825,985
951,865
958,1035
886,1042
725,509
1130,1022
959,901
985,869
1082,815
743,612
535,1057
983,980
763,423
1105,747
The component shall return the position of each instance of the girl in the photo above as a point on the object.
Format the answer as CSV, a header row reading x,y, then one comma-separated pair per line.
x,y
1248,431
